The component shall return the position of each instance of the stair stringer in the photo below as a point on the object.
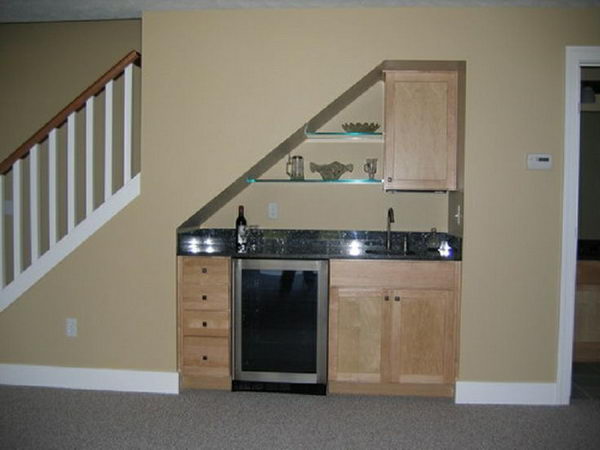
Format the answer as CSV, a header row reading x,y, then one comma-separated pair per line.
x,y
82,231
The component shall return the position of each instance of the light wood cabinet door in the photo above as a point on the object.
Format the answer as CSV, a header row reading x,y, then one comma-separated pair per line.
x,y
355,324
419,337
400,338
421,130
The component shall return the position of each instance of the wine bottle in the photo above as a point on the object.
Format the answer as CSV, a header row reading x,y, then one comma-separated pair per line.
x,y
241,232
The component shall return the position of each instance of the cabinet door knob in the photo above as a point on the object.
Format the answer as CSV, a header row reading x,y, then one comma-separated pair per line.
x,y
389,179
204,324
386,298
204,297
204,357
397,298
204,270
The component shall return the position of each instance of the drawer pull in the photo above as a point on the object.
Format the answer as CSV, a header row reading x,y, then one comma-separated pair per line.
x,y
204,358
203,324
204,297
386,298
204,270
397,298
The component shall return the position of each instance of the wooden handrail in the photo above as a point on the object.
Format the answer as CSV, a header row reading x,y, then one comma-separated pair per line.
x,y
95,88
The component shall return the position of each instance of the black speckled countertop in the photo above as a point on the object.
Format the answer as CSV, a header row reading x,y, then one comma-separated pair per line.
x,y
317,244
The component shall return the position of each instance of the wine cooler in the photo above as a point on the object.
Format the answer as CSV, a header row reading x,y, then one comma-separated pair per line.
x,y
280,325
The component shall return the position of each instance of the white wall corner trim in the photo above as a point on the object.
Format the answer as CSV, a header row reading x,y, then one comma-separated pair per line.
x,y
89,379
475,392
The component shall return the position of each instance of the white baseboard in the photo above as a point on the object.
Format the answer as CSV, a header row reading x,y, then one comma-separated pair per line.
x,y
89,379
472,392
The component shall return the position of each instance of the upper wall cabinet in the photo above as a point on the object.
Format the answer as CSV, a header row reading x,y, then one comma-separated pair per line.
x,y
421,130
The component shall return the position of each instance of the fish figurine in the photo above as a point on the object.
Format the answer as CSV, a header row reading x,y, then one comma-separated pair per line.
x,y
331,171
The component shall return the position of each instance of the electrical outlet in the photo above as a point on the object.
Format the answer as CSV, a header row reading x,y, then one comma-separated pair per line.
x,y
458,215
8,207
71,327
273,210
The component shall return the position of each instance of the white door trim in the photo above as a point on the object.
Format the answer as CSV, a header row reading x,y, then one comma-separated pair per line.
x,y
575,58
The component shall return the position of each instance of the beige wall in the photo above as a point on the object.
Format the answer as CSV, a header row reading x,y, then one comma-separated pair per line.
x,y
354,207
45,66
223,88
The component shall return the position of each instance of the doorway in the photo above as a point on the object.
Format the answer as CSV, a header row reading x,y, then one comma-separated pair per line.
x,y
586,347
576,59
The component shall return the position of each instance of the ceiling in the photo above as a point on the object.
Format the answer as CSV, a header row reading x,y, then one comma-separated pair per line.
x,y
15,11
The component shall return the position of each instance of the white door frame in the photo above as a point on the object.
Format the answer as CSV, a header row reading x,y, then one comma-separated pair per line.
x,y
576,57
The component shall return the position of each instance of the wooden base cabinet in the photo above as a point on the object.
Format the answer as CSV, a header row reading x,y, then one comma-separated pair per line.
x,y
586,347
398,338
204,322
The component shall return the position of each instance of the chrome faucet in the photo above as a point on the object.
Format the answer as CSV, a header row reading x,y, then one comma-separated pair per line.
x,y
388,236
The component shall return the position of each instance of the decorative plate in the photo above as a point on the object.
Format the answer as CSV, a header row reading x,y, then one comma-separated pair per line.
x,y
331,171
360,127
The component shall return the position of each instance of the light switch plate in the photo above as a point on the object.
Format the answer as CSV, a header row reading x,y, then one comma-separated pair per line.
x,y
539,161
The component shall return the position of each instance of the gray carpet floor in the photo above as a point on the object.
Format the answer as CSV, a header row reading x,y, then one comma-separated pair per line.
x,y
68,419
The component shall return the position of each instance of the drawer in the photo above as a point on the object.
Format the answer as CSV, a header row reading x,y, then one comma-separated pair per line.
x,y
204,297
205,323
207,356
395,274
198,271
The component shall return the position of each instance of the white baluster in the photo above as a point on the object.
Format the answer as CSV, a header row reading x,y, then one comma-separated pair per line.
x,y
71,172
89,156
52,190
2,228
34,202
127,123
17,207
108,136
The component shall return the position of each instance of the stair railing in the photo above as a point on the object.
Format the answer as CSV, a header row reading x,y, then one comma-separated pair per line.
x,y
44,198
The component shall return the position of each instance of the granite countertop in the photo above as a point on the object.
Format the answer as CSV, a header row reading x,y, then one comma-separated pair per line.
x,y
315,244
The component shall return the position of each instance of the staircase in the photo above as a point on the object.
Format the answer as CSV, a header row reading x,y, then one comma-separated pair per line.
x,y
70,178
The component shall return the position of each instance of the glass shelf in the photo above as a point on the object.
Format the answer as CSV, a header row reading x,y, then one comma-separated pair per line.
x,y
343,181
325,136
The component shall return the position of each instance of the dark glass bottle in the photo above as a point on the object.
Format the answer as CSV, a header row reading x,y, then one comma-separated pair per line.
x,y
241,232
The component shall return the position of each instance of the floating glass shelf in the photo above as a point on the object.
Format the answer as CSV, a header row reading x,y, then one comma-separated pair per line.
x,y
326,136
344,181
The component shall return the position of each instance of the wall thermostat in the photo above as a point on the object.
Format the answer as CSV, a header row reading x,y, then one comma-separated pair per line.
x,y
539,161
